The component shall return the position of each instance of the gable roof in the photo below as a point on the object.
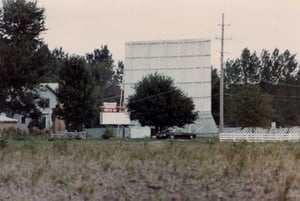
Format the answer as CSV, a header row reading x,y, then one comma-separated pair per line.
x,y
53,87
4,118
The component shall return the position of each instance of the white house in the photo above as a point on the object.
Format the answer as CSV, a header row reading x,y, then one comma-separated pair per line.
x,y
47,92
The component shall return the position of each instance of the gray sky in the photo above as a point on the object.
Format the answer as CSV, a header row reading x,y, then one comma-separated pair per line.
x,y
80,26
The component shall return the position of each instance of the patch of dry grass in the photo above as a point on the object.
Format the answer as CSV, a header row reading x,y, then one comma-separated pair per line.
x,y
149,170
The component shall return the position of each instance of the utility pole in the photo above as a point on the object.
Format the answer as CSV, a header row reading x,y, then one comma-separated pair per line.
x,y
221,126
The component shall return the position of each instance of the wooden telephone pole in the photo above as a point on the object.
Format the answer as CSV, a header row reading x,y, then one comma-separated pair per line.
x,y
221,126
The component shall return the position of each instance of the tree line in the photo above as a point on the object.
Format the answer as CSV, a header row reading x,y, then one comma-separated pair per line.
x,y
259,89
84,81
26,61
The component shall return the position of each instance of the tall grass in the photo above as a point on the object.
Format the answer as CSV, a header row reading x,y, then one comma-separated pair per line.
x,y
149,170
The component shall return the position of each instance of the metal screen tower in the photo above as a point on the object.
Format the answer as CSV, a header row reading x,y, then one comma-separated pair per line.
x,y
186,61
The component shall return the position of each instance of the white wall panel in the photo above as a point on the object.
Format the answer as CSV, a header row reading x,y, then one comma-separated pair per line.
x,y
116,118
186,61
172,49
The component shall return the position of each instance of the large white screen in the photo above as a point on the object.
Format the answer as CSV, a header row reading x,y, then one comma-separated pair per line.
x,y
186,61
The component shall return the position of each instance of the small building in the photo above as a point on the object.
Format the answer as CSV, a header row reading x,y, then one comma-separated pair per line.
x,y
6,122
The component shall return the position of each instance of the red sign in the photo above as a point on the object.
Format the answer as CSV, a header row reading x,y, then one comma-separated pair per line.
x,y
110,109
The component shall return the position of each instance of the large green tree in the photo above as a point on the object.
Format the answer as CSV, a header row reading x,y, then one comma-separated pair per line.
x,y
23,55
76,93
253,108
159,103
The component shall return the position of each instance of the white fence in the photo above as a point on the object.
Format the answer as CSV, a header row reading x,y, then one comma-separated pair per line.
x,y
259,137
69,135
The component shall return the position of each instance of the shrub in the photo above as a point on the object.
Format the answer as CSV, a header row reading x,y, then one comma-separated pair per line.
x,y
13,133
107,134
3,141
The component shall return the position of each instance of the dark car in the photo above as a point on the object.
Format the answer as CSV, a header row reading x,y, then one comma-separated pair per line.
x,y
175,134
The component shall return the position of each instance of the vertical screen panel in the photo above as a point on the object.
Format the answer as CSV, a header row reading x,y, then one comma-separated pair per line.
x,y
186,61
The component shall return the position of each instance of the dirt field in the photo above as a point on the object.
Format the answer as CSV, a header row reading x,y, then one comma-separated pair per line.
x,y
149,170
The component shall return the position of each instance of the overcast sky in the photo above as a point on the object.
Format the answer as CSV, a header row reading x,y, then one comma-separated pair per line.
x,y
80,26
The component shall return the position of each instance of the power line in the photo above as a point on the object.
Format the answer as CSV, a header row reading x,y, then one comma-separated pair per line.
x,y
144,98
152,96
282,84
107,98
275,98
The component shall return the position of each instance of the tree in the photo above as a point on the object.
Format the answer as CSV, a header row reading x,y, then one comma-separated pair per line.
x,y
243,70
100,64
278,67
215,95
118,75
275,73
54,64
159,103
23,55
253,108
76,93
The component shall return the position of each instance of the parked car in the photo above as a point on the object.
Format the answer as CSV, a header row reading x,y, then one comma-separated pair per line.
x,y
175,134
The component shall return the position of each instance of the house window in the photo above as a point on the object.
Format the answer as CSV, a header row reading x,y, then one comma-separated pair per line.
x,y
44,103
23,120
43,123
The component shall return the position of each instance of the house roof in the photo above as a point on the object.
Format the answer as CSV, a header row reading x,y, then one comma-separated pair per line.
x,y
53,87
4,118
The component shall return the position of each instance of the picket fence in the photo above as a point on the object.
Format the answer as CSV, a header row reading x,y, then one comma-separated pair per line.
x,y
69,135
259,137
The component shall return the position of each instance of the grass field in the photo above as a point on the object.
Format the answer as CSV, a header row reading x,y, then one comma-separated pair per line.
x,y
201,169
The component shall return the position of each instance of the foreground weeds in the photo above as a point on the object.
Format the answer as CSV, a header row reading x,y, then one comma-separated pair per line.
x,y
149,170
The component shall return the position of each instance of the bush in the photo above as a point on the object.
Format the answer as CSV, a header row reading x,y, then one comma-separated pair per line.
x,y
107,134
14,134
3,141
